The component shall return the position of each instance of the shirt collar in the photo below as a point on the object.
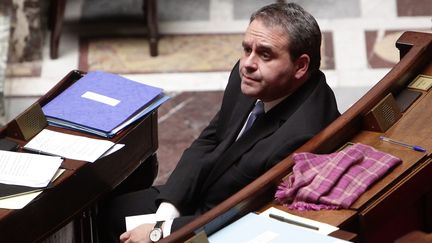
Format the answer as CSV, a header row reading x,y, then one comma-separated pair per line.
x,y
269,105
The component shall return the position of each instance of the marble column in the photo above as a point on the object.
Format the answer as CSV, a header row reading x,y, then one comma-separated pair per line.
x,y
26,33
5,16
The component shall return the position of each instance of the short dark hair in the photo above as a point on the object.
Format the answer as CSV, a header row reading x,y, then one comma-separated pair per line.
x,y
303,32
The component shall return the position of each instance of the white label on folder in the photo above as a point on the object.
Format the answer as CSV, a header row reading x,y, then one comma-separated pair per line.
x,y
100,98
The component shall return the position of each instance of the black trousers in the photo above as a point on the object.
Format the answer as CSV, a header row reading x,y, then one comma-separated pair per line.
x,y
112,212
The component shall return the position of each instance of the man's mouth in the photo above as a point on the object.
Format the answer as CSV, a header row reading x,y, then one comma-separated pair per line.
x,y
248,78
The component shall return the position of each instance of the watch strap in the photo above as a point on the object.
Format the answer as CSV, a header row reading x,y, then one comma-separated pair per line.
x,y
157,229
158,224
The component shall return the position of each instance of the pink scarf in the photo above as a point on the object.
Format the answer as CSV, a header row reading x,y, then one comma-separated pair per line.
x,y
333,181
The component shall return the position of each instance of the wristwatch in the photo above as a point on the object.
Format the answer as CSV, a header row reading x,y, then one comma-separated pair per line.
x,y
156,234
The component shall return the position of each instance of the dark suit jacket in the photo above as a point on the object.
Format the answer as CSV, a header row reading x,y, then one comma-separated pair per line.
x,y
216,166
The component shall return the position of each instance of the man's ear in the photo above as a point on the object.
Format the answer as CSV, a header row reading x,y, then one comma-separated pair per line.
x,y
302,65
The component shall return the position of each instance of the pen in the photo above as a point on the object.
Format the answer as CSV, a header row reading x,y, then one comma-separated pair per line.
x,y
413,147
283,219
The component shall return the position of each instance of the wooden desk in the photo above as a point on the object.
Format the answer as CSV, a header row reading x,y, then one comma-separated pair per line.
x,y
395,205
79,188
415,237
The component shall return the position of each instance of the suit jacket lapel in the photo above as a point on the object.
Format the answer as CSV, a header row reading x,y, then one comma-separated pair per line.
x,y
237,119
262,127
265,125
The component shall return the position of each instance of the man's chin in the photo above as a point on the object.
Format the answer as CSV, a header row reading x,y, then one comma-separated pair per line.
x,y
249,91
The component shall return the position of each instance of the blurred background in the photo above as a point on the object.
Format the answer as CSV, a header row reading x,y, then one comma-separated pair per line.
x,y
199,42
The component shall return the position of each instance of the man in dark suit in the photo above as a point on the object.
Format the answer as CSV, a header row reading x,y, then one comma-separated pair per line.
x,y
279,67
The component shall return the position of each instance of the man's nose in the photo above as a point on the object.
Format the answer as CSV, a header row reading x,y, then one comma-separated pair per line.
x,y
250,62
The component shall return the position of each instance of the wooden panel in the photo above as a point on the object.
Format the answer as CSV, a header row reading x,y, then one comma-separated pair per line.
x,y
383,216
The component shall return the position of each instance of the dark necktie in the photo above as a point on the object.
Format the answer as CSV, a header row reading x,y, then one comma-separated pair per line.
x,y
256,111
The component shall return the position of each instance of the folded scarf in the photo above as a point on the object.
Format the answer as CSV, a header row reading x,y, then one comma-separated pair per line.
x,y
333,181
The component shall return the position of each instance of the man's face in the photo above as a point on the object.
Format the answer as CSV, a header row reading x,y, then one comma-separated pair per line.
x,y
266,69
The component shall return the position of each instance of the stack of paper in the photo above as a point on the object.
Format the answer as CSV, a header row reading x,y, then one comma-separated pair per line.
x,y
20,200
102,103
23,173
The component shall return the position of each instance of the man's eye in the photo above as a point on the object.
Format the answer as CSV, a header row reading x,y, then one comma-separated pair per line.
x,y
266,55
247,50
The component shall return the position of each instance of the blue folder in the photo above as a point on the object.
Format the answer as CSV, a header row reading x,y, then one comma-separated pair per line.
x,y
102,103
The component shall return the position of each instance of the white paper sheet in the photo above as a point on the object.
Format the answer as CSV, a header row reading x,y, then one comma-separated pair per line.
x,y
253,228
113,149
18,202
26,169
134,221
68,146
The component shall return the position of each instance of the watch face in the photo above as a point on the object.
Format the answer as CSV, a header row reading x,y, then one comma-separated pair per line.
x,y
156,234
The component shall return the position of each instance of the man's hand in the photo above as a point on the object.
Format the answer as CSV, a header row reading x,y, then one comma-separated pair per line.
x,y
140,234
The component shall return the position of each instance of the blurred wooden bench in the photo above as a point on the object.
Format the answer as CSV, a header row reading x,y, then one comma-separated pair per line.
x,y
56,17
